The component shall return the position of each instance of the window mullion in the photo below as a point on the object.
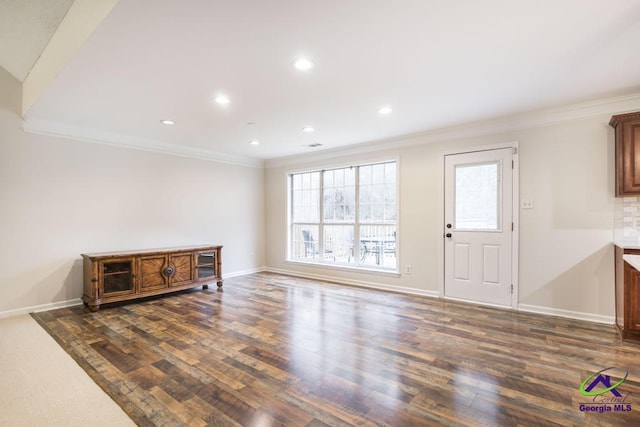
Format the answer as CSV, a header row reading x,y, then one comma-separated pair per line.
x,y
356,224
291,218
321,217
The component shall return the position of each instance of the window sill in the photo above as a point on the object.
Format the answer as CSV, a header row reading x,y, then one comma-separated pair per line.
x,y
376,271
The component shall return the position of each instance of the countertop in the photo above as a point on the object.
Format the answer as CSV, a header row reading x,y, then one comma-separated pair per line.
x,y
634,244
633,260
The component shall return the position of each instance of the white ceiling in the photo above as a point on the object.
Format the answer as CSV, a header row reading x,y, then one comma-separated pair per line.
x,y
437,63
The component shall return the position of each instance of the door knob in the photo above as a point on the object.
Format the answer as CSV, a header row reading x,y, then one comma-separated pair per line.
x,y
448,235
448,225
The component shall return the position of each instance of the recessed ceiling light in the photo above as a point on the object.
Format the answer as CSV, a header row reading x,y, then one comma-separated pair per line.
x,y
254,142
168,122
221,99
303,64
308,129
385,110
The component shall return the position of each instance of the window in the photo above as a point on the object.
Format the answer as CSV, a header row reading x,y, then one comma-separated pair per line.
x,y
477,197
345,216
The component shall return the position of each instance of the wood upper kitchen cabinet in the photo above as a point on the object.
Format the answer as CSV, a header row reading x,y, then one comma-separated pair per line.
x,y
120,276
627,295
627,131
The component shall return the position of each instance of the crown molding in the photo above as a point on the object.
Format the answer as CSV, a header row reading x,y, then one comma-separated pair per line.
x,y
535,119
530,120
58,130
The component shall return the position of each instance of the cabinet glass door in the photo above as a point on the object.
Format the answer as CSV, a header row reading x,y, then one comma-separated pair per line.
x,y
117,276
206,265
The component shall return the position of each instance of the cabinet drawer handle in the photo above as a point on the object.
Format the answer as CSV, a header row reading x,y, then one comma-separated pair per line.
x,y
169,271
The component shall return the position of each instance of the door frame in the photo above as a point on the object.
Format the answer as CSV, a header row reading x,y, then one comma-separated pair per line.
x,y
515,235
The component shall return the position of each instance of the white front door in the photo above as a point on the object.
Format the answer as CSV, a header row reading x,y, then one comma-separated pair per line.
x,y
478,226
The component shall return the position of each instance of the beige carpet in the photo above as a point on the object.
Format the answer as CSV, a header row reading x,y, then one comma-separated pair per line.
x,y
40,384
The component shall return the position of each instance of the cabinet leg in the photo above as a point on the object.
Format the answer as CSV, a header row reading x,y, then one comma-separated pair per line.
x,y
219,284
92,307
205,286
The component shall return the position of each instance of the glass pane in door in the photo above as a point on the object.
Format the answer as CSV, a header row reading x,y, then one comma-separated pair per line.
x,y
477,197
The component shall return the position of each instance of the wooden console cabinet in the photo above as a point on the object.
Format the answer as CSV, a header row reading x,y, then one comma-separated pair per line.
x,y
627,295
120,276
627,129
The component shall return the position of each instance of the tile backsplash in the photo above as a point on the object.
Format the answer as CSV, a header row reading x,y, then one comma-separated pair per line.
x,y
627,219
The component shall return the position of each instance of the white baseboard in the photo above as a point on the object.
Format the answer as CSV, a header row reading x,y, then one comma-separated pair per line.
x,y
38,308
359,283
78,301
244,272
589,317
597,318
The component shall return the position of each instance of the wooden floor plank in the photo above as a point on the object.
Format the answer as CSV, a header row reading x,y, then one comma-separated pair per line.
x,y
272,350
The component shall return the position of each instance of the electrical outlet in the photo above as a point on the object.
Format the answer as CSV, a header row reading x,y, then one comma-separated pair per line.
x,y
408,269
527,204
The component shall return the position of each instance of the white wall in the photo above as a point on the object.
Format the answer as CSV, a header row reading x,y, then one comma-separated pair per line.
x,y
60,198
566,252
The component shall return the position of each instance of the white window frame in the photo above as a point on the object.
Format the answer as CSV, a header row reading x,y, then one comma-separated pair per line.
x,y
356,223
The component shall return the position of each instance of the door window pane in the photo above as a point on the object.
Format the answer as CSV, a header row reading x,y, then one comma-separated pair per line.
x,y
477,197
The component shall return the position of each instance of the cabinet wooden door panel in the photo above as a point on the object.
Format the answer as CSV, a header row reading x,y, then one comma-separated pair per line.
x,y
633,305
151,273
183,269
627,287
630,146
627,136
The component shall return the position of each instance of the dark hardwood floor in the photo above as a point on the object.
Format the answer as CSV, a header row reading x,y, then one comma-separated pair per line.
x,y
276,350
